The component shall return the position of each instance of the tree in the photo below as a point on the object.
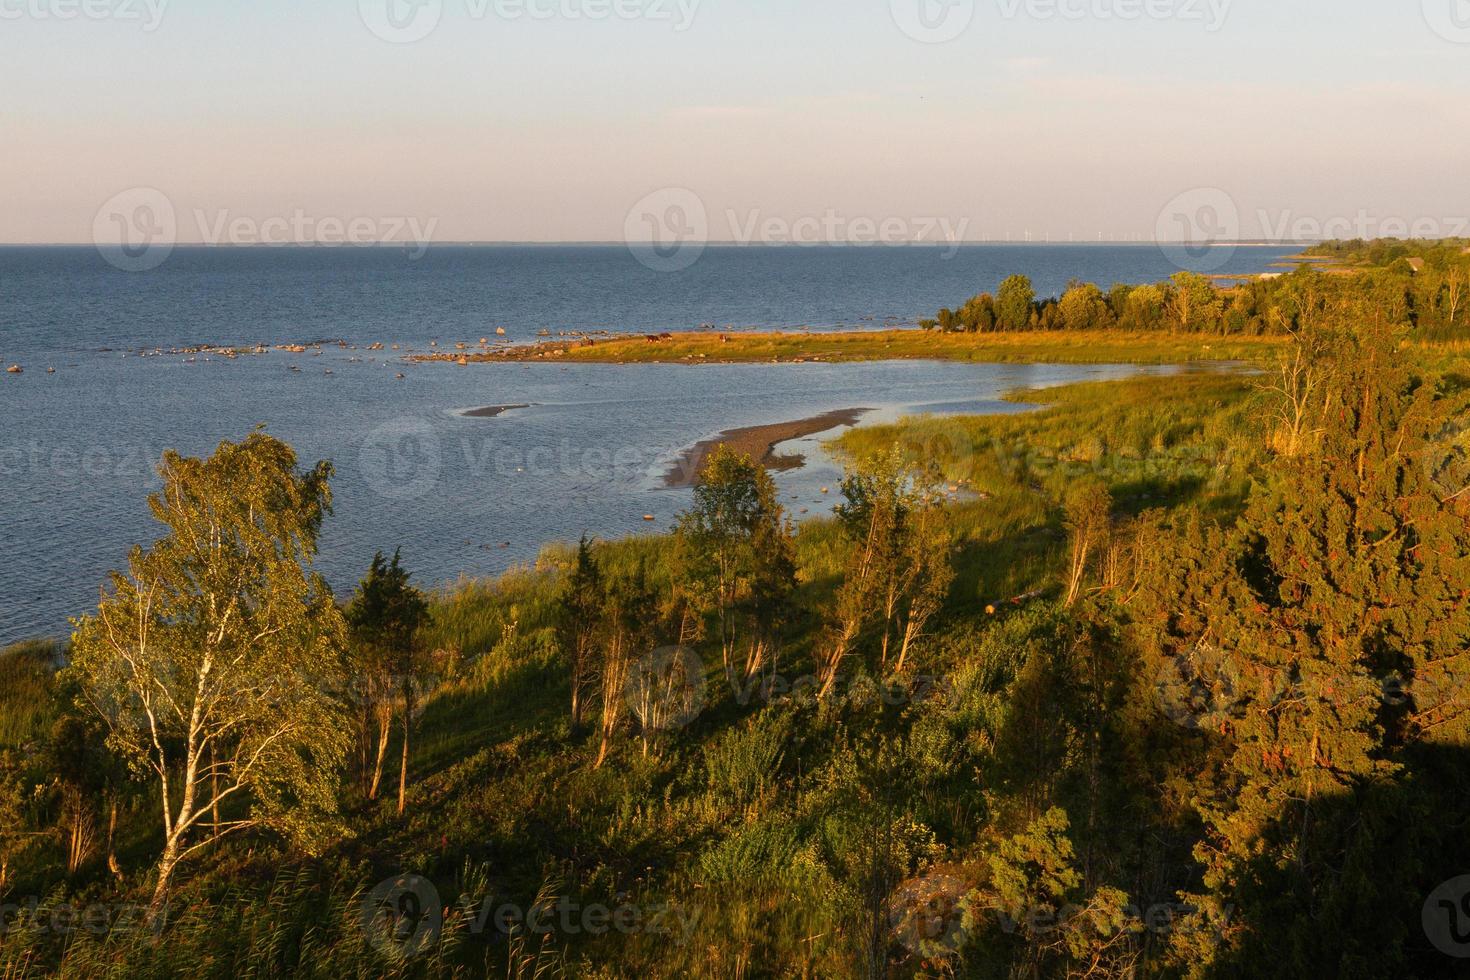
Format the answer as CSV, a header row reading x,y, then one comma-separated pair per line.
x,y
214,659
384,619
87,777
978,314
899,571
1084,308
874,509
1143,307
1195,303
1456,293
736,555
14,835
1014,303
629,623
579,624
1036,890
1089,526
928,573
1335,608
1294,392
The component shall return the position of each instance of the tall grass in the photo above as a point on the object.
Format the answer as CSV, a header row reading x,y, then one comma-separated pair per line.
x,y
27,681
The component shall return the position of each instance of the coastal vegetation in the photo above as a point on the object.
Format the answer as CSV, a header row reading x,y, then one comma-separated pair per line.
x,y
1190,317
1100,347
1165,678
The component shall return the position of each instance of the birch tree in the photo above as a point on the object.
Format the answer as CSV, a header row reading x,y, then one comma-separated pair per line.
x,y
216,659
736,555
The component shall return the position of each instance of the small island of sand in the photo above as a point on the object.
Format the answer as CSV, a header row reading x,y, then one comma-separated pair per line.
x,y
490,411
759,442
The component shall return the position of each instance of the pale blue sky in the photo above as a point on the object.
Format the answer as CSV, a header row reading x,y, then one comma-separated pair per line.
x,y
781,109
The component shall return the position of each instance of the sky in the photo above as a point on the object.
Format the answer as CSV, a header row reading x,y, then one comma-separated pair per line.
x,y
746,120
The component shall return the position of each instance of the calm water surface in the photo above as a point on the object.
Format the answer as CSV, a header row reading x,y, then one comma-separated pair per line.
x,y
459,495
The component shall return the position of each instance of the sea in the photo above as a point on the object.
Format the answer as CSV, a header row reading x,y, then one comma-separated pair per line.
x,y
112,376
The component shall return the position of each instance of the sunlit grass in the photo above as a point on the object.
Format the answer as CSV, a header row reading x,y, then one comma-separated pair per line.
x,y
1091,347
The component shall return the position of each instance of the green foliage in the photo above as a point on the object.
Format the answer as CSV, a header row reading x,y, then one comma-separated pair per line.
x,y
217,657
734,553
1080,809
1014,304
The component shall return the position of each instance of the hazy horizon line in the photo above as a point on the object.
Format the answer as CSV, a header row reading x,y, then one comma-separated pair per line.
x,y
729,243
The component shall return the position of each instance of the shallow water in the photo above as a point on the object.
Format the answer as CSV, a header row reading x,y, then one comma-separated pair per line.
x,y
459,495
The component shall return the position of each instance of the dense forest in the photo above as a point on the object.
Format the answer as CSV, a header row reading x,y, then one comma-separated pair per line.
x,y
1164,679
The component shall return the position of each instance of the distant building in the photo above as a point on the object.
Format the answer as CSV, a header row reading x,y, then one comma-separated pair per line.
x,y
1416,264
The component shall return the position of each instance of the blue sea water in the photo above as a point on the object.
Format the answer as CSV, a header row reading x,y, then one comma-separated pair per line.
x,y
461,496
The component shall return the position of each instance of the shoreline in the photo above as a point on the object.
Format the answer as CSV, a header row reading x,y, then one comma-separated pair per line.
x,y
759,442
813,347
